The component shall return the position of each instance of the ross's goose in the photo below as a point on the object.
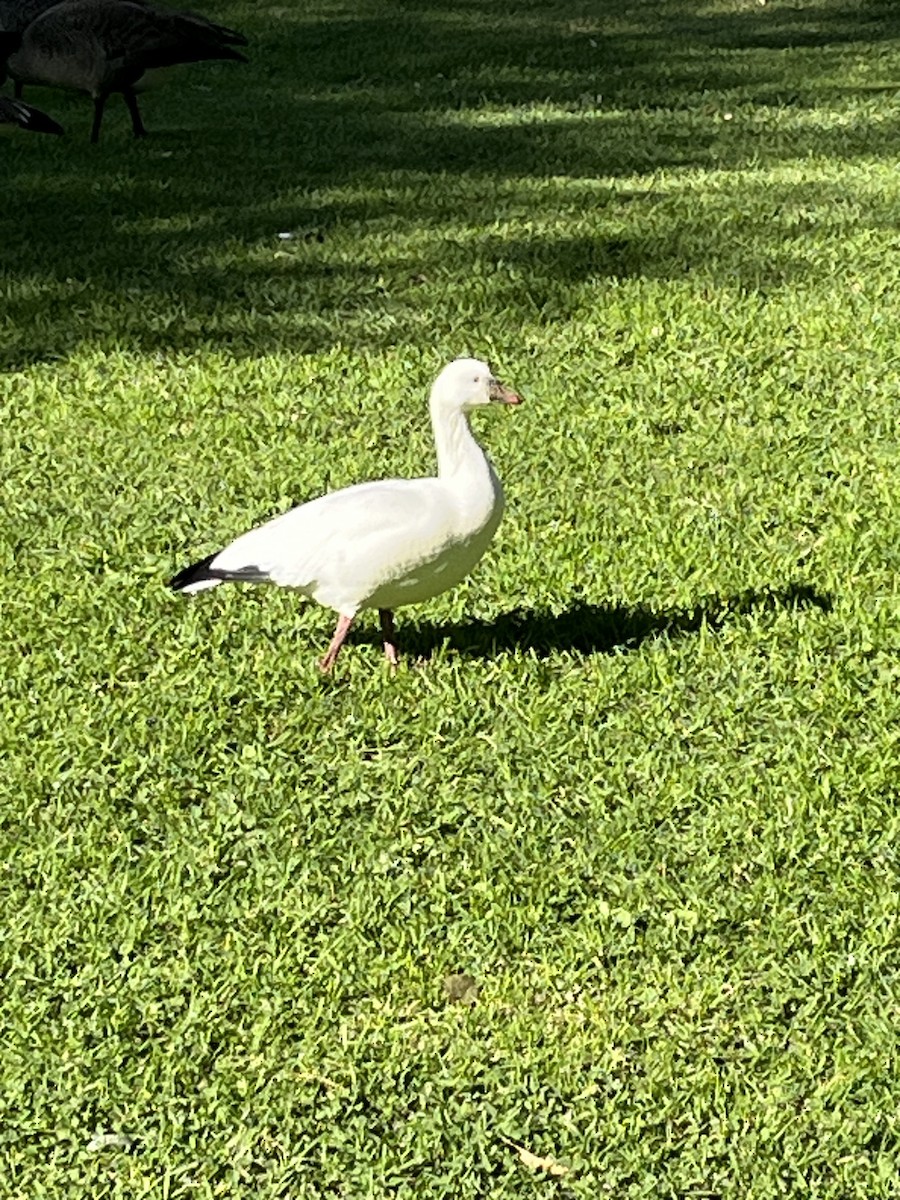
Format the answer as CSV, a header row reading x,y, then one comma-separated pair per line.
x,y
106,46
386,543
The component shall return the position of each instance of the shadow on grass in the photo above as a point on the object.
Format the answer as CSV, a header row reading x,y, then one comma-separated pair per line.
x,y
600,628
427,118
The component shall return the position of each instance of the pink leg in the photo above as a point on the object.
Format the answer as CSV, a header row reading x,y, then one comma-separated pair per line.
x,y
341,631
387,635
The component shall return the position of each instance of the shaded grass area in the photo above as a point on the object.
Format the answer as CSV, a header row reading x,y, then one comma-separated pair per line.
x,y
637,777
600,628
338,130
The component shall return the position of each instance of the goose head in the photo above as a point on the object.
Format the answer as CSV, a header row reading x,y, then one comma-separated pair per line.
x,y
9,43
467,383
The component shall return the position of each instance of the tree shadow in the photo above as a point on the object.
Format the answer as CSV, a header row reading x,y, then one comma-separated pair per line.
x,y
600,628
424,117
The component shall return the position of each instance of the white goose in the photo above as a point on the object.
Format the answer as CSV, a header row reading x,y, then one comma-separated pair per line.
x,y
386,543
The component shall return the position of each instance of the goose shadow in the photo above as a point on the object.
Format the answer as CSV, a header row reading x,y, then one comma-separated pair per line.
x,y
600,628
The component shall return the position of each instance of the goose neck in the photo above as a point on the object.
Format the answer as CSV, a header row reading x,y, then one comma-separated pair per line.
x,y
457,451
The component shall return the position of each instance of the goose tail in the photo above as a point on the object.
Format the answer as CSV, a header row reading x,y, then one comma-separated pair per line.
x,y
205,574
197,39
197,577
15,112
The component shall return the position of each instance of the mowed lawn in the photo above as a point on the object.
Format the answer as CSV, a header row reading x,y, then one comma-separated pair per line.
x,y
637,778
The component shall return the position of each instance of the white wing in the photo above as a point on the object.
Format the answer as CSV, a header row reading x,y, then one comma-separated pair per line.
x,y
341,548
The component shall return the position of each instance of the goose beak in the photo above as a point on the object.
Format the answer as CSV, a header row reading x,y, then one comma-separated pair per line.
x,y
503,395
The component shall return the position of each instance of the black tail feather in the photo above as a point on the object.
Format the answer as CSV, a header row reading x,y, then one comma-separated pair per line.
x,y
195,573
16,112
39,122
203,570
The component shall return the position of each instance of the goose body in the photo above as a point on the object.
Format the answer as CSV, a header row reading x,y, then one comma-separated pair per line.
x,y
18,113
106,46
386,543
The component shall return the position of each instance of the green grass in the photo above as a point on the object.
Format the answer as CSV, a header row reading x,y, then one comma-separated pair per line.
x,y
638,777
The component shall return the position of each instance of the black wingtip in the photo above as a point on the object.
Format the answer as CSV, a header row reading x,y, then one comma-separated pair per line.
x,y
196,573
39,122
231,36
17,112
